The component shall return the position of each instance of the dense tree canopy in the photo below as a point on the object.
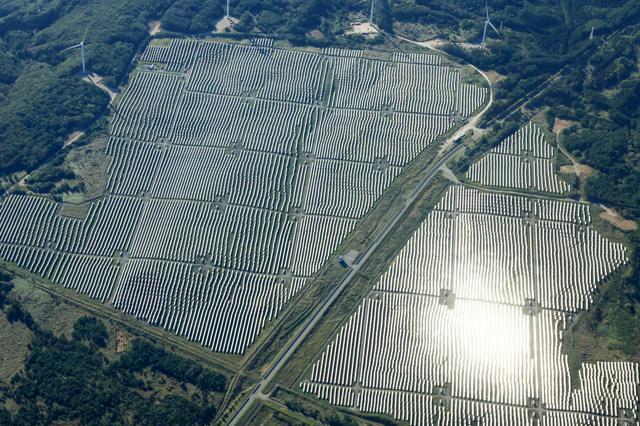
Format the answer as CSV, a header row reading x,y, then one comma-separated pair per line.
x,y
65,381
42,108
92,330
605,104
42,98
144,355
193,16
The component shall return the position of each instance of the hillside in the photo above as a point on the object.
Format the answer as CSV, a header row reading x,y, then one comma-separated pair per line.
x,y
304,219
36,78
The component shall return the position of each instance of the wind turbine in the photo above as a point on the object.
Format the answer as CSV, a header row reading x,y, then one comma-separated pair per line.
x,y
487,23
81,46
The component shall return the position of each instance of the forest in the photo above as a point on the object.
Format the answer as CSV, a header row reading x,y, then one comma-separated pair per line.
x,y
42,98
71,381
602,100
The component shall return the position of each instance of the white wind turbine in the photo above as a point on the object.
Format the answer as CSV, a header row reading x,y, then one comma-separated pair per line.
x,y
81,46
487,23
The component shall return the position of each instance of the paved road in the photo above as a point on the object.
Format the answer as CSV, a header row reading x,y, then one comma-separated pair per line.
x,y
318,313
322,309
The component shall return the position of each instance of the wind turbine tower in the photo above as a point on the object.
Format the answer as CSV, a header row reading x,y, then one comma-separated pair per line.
x,y
487,23
81,46
371,12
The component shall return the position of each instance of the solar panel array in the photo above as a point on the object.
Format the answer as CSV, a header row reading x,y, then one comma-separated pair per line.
x,y
466,324
522,161
237,170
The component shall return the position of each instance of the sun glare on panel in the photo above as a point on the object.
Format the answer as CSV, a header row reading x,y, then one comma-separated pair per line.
x,y
491,334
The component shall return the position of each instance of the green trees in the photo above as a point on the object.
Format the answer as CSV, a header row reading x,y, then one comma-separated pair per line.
x,y
67,376
42,98
92,330
43,107
384,16
145,355
193,16
10,306
606,105
5,287
600,148
613,63
174,410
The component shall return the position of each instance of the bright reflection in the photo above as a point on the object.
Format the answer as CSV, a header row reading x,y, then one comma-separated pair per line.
x,y
467,322
492,334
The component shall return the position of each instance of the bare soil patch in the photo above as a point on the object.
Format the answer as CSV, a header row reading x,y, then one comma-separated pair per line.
x,y
581,170
74,211
73,137
568,169
448,174
614,218
362,28
226,23
97,80
494,76
559,125
122,340
435,43
154,27
469,46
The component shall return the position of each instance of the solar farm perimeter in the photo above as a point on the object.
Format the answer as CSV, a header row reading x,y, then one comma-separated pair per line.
x,y
236,172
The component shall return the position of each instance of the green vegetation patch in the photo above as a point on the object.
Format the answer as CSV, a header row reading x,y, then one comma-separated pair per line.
x,y
15,340
43,107
605,104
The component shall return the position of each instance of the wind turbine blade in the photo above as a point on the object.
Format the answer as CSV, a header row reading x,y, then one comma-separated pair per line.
x,y
86,30
69,48
494,28
486,8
